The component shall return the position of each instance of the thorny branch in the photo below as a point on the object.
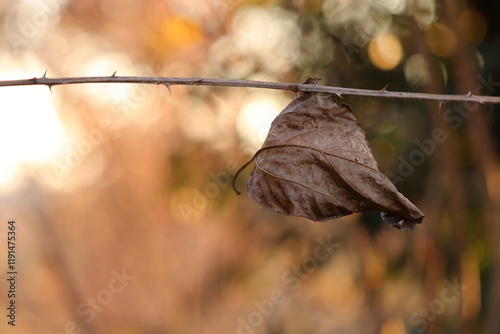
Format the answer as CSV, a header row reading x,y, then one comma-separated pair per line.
x,y
170,81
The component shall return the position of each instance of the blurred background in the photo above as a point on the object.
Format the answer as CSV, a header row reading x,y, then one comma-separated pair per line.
x,y
126,220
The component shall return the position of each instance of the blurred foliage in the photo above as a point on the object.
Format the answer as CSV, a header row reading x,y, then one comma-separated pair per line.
x,y
106,179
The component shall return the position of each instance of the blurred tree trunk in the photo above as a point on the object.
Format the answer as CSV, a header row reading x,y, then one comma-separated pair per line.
x,y
447,180
481,142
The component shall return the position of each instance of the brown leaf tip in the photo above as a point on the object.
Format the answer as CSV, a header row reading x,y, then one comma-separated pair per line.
x,y
400,222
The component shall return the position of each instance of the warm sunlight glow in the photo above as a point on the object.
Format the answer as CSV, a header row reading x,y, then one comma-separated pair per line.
x,y
31,133
254,121
30,130
103,65
122,103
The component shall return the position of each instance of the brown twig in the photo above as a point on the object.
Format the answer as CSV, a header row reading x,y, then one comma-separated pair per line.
x,y
339,91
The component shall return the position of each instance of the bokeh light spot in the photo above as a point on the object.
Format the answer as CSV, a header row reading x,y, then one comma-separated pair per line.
x,y
254,120
385,51
173,34
416,71
441,40
271,36
393,326
472,26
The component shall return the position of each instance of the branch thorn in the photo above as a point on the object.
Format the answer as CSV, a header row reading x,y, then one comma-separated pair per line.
x,y
114,74
45,74
383,90
168,87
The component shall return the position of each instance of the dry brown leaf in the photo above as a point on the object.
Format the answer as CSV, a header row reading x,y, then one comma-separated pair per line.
x,y
316,163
